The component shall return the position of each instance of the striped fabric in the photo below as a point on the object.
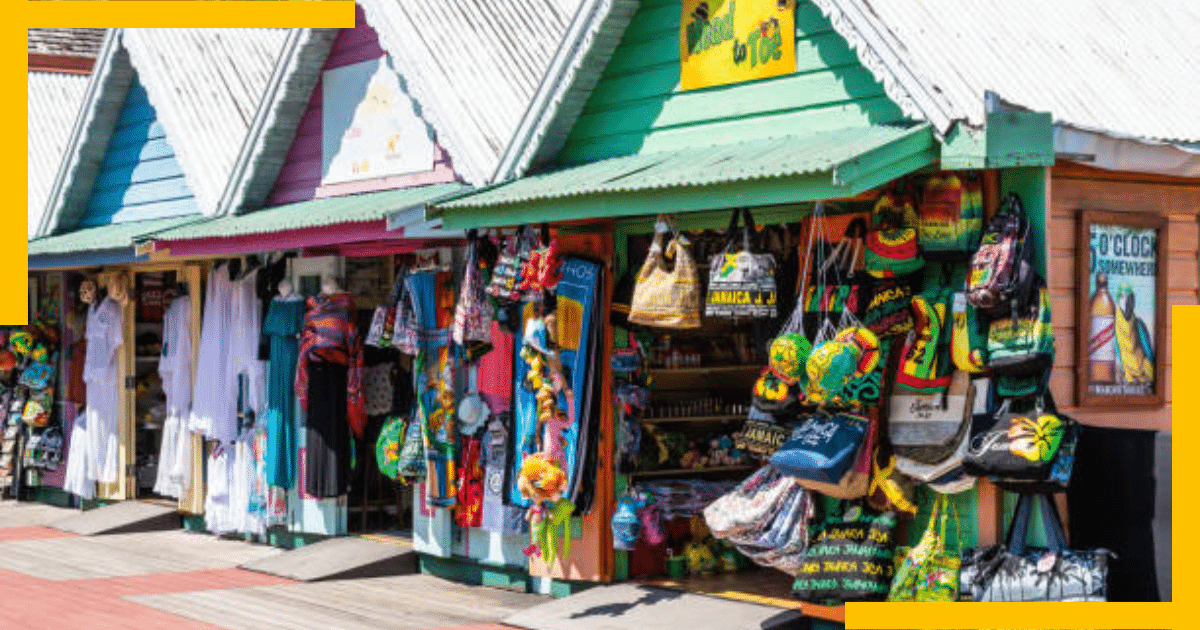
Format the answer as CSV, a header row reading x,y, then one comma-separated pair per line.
x,y
330,336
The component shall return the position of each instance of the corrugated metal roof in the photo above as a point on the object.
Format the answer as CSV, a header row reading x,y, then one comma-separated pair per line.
x,y
112,236
206,85
472,67
279,114
54,101
1125,68
312,213
591,40
73,42
756,159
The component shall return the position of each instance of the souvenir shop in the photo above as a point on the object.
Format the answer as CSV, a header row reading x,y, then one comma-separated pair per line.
x,y
813,404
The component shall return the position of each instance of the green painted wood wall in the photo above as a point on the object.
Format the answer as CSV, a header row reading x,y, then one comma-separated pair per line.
x,y
637,105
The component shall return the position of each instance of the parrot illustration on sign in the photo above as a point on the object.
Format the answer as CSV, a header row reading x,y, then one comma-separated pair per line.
x,y
1134,342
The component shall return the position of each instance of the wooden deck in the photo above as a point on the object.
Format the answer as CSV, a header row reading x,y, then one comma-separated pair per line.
x,y
86,557
402,602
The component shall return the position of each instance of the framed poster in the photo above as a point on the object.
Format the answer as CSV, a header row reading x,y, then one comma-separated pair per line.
x,y
1121,306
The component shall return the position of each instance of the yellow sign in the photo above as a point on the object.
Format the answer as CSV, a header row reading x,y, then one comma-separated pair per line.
x,y
730,41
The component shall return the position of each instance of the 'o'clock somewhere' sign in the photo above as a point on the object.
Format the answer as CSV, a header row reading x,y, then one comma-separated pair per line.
x,y
730,41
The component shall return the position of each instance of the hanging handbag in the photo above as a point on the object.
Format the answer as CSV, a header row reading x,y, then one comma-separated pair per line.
x,y
892,243
1023,342
383,320
472,314
506,275
888,309
406,331
850,559
1014,572
823,448
855,483
1059,476
38,408
968,339
542,269
38,375
931,419
929,572
662,297
951,215
741,283
836,284
1019,446
783,543
746,511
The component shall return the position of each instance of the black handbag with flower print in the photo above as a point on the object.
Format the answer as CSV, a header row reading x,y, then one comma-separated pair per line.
x,y
1014,572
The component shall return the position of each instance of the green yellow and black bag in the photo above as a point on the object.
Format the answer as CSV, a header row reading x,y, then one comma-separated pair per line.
x,y
1023,344
929,573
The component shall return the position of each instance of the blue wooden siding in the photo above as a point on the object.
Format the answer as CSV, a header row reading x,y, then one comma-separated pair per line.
x,y
139,177
637,105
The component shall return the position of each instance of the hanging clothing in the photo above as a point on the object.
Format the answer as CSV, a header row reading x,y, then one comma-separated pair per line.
x,y
245,315
214,403
76,387
284,322
268,503
101,372
175,370
330,336
327,438
217,517
76,480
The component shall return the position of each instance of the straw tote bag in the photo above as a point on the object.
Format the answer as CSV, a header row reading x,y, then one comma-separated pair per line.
x,y
662,297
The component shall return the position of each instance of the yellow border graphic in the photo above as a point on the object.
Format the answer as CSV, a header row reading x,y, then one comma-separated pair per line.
x,y
14,261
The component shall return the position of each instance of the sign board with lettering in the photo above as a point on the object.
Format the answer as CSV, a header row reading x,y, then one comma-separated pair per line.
x,y
730,41
1121,308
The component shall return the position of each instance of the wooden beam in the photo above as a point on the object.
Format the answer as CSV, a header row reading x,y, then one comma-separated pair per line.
x,y
62,64
1073,170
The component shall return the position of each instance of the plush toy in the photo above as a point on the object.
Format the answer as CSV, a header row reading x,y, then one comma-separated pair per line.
x,y
693,458
540,480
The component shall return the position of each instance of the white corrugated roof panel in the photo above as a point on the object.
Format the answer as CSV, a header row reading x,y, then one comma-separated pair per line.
x,y
54,100
205,85
1116,66
473,67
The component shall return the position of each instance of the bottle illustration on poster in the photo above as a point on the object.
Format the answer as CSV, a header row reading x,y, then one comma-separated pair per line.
x,y
1121,343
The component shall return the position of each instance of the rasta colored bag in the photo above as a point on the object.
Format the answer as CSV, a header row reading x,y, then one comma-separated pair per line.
x,y
1024,342
1017,573
951,215
888,308
892,246
741,282
850,559
968,338
929,572
1001,277
925,363
662,297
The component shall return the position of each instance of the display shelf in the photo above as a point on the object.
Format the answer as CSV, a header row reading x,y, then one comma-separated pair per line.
x,y
682,472
720,418
713,369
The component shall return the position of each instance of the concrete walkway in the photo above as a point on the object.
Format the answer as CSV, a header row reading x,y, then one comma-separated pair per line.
x,y
183,581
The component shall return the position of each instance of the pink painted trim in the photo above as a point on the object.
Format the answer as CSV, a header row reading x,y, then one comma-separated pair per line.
x,y
303,190
284,239
380,248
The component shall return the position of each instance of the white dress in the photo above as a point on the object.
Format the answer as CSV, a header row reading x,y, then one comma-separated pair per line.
x,y
175,370
216,501
76,479
100,372
214,402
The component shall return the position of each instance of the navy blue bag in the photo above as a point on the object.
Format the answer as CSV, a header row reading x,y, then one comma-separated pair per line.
x,y
822,448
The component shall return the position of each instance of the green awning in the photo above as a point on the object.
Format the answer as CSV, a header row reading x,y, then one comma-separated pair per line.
x,y
104,237
313,213
785,169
